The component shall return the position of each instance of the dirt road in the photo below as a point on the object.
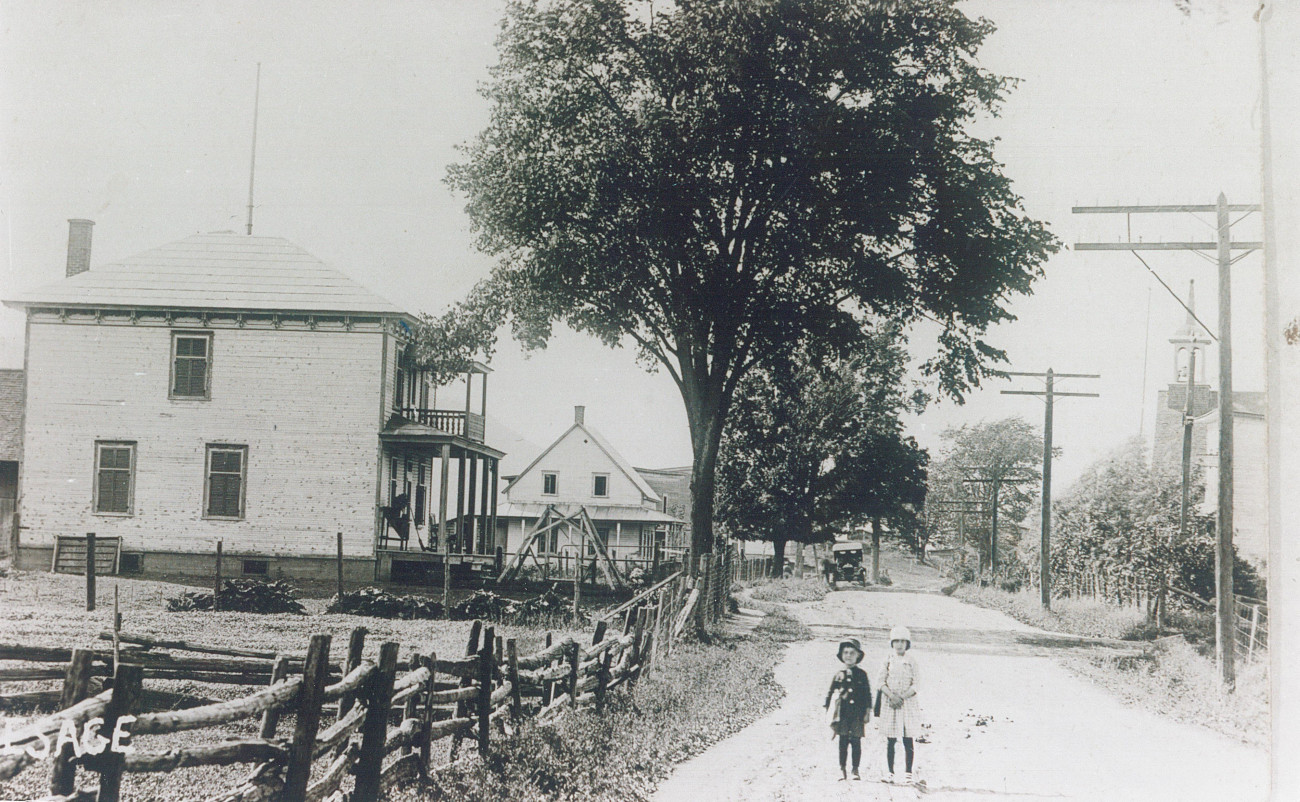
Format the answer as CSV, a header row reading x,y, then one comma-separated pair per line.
x,y
1006,720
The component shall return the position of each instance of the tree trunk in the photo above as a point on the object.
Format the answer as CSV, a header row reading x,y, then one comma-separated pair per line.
x,y
778,558
798,560
706,414
875,550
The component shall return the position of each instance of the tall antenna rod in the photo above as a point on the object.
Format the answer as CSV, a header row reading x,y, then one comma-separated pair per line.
x,y
252,160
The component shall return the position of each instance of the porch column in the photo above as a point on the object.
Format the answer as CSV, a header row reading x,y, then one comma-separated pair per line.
x,y
460,503
486,535
442,501
492,525
471,519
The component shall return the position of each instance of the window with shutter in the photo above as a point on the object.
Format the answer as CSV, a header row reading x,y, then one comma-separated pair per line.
x,y
225,481
191,365
114,478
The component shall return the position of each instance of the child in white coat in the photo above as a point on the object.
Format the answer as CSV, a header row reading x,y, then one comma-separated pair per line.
x,y
900,715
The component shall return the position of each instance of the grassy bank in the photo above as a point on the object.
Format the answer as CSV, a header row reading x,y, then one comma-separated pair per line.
x,y
1179,679
790,591
701,695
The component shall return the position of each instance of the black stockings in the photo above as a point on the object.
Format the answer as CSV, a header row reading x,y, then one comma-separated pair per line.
x,y
848,742
889,753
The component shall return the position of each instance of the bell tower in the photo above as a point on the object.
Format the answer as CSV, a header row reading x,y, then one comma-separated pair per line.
x,y
1191,338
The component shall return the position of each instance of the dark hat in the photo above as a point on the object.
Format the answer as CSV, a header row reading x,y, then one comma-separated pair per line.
x,y
852,642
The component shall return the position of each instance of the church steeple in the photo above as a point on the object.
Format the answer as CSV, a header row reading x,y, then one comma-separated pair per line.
x,y
1191,337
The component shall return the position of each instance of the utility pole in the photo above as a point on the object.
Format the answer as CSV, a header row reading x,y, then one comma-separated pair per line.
x,y
1049,394
1223,246
995,484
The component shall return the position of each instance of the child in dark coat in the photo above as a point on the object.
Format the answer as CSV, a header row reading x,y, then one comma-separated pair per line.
x,y
849,702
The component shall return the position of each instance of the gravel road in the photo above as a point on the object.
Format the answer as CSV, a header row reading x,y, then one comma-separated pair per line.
x,y
1006,720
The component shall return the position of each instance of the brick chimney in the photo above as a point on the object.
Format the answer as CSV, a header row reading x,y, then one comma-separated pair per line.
x,y
579,414
79,246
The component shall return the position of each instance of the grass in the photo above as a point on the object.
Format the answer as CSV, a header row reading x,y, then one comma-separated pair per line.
x,y
790,591
699,696
1178,679
1075,616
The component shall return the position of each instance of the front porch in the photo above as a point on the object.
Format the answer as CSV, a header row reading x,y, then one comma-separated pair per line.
x,y
438,498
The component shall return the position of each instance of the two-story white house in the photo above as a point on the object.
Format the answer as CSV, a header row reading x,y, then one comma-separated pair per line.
x,y
235,388
581,469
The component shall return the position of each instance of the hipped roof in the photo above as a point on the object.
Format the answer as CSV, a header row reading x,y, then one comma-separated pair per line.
x,y
216,271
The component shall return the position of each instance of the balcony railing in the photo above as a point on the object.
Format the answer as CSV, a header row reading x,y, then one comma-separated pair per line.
x,y
454,422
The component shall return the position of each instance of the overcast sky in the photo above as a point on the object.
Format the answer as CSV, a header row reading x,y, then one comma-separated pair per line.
x,y
138,115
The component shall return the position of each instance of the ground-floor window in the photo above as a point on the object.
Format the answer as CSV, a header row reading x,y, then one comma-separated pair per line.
x,y
114,477
226,474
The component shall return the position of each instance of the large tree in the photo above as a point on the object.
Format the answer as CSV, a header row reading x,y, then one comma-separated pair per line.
x,y
714,181
814,445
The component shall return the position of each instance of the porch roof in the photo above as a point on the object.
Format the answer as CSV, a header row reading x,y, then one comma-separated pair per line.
x,y
400,431
598,512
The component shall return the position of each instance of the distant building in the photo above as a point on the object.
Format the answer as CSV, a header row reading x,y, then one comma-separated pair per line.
x,y
12,394
1250,521
674,486
581,469
235,388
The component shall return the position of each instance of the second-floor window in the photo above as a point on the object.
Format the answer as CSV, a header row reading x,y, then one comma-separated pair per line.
x,y
550,483
227,469
600,485
191,365
114,477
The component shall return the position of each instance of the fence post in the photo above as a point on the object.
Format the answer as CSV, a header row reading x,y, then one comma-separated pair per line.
x,y
128,682
356,645
76,686
412,707
512,676
548,688
374,729
311,693
216,586
575,660
90,572
462,708
602,680
638,635
485,667
430,687
599,634
702,606
339,562
271,718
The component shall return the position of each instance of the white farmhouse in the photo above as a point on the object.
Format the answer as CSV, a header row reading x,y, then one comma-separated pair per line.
x,y
235,388
581,469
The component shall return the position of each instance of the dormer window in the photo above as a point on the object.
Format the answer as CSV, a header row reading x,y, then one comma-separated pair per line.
x,y
191,365
550,483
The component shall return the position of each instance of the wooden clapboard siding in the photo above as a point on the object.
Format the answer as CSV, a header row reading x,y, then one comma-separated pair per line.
x,y
303,402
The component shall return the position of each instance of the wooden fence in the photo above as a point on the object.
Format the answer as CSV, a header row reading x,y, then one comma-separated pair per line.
x,y
375,720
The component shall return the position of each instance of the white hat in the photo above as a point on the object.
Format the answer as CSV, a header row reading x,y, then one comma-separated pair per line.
x,y
900,633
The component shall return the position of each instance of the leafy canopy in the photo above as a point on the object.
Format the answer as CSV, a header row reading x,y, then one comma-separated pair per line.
x,y
814,446
726,178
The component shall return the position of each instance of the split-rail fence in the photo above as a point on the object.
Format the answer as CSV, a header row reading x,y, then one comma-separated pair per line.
x,y
375,720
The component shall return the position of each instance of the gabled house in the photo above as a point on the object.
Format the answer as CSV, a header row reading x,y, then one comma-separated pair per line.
x,y
237,389
581,469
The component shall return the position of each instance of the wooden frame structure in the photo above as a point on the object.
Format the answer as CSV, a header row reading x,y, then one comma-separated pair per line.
x,y
552,519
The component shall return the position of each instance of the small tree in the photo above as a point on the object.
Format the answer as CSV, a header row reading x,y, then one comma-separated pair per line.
x,y
988,451
720,181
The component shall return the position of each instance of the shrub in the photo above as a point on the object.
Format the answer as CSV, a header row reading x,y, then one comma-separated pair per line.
x,y
549,606
381,604
242,596
483,604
